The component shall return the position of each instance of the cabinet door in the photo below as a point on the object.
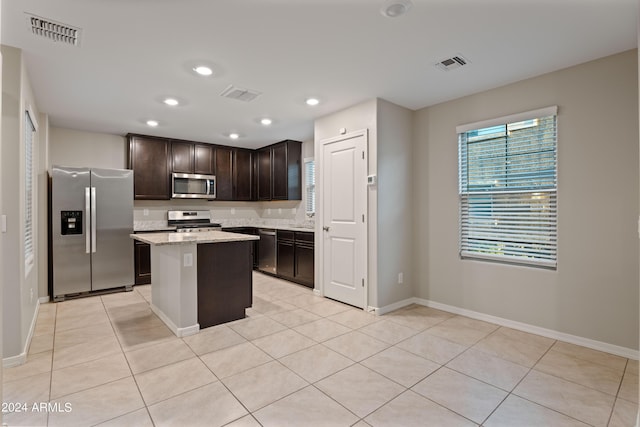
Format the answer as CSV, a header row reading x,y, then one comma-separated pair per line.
x,y
142,263
224,173
304,263
285,259
182,155
150,160
279,171
263,166
243,174
203,159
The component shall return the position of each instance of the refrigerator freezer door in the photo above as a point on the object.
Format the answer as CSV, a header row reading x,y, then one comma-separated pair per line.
x,y
70,225
112,257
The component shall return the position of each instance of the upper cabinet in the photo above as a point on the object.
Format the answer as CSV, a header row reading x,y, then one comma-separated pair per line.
x,y
189,157
243,182
150,159
182,157
203,159
224,173
270,173
279,171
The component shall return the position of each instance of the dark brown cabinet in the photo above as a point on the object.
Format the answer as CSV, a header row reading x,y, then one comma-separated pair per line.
x,y
295,260
189,157
182,157
150,159
224,173
142,262
304,258
203,159
224,281
263,167
279,171
270,173
243,185
285,264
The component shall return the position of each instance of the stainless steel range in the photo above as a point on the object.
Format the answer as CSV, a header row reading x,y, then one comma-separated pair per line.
x,y
192,221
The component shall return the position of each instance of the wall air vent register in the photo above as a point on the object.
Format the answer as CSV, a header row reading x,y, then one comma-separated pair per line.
x,y
52,30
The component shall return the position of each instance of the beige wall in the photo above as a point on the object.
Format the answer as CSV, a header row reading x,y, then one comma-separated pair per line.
x,y
395,201
389,202
20,283
74,148
594,292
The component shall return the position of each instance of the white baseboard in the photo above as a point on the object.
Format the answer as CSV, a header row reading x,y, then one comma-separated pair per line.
x,y
392,307
179,332
21,358
525,327
44,300
317,292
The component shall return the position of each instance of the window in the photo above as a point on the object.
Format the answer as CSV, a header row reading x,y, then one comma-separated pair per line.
x,y
29,130
508,189
310,186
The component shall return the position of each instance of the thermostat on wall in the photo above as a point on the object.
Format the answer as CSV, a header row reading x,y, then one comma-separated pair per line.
x,y
372,180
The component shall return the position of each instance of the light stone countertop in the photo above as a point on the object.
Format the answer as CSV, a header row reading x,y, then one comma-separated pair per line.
x,y
190,238
156,226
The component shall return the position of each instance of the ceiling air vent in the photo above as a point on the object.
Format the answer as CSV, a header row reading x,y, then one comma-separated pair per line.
x,y
452,63
240,94
52,30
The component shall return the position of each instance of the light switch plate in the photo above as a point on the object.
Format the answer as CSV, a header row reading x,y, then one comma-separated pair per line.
x,y
187,260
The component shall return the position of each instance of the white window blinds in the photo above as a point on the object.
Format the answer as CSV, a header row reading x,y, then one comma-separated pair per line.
x,y
29,130
508,189
310,186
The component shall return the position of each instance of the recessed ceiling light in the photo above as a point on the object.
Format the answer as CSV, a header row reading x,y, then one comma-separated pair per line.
x,y
312,101
266,121
234,136
171,102
203,70
152,123
395,8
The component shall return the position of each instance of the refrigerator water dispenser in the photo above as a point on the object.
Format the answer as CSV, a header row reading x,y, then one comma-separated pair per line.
x,y
71,222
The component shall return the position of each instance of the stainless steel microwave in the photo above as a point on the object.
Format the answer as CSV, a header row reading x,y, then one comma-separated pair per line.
x,y
192,186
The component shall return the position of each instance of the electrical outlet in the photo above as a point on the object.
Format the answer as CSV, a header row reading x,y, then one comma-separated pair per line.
x,y
279,210
400,278
268,211
145,212
233,211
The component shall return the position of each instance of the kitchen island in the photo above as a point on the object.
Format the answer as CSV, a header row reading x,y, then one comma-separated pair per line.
x,y
199,279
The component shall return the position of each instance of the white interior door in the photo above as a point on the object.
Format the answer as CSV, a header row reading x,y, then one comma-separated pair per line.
x,y
344,205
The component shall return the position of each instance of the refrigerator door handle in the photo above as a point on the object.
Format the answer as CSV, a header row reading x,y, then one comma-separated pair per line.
x,y
93,219
87,213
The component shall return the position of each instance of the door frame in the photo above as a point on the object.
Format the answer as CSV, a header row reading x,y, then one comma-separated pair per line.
x,y
319,241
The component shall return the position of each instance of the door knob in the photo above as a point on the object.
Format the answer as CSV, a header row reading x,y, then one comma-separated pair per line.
x,y
325,228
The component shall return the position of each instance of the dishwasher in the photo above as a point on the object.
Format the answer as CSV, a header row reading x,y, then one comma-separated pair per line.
x,y
267,251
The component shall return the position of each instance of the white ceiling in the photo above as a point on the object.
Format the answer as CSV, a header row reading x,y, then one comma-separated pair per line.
x,y
134,52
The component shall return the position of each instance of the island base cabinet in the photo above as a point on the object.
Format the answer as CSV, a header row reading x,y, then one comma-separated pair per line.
x,y
224,280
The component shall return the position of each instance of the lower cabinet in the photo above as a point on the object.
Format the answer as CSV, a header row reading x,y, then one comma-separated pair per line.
x,y
304,264
142,262
295,257
224,278
285,264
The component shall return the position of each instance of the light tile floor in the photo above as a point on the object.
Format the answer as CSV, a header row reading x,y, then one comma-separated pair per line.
x,y
301,360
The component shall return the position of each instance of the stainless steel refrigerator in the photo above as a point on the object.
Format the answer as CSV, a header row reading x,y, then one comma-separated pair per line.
x,y
91,217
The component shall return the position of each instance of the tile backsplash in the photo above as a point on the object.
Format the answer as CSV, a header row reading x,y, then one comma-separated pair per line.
x,y
227,213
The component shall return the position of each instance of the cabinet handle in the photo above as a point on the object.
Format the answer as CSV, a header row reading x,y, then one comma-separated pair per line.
x,y
325,228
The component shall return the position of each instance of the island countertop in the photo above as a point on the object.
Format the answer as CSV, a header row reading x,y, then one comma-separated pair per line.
x,y
191,238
